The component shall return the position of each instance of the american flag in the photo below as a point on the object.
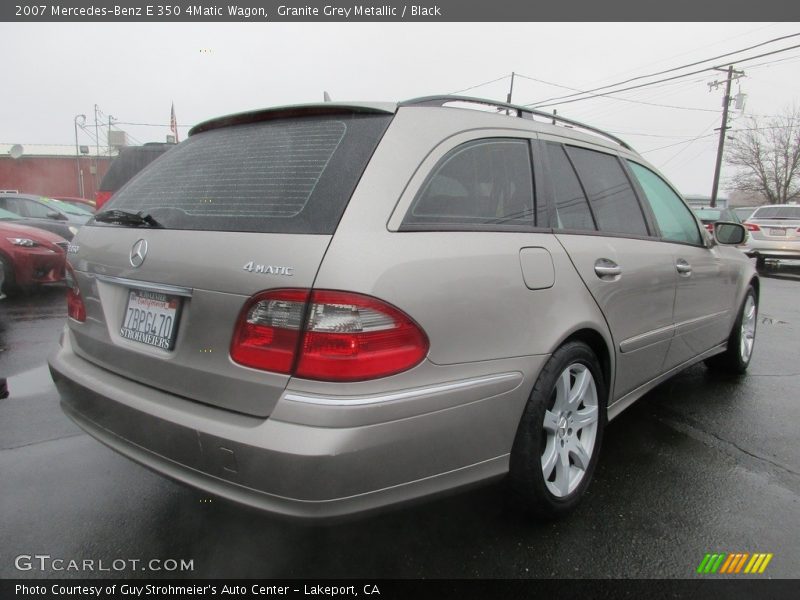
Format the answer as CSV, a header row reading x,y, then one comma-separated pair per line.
x,y
173,123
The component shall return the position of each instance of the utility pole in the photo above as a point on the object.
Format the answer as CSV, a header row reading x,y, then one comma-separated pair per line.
x,y
511,89
78,174
726,100
108,133
97,113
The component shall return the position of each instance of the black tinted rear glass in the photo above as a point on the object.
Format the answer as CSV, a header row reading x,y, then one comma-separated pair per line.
x,y
611,196
484,184
281,176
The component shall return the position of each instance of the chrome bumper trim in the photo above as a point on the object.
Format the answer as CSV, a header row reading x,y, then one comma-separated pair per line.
x,y
147,286
404,395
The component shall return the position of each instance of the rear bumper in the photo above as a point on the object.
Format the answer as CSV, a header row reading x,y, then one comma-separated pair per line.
x,y
296,469
773,249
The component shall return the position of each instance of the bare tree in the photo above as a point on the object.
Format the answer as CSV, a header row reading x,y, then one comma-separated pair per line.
x,y
767,155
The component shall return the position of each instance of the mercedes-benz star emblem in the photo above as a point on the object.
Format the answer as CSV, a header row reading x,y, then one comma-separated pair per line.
x,y
138,253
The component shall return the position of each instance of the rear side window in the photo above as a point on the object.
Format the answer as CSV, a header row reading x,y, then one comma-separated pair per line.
x,y
485,184
611,196
279,176
674,219
571,208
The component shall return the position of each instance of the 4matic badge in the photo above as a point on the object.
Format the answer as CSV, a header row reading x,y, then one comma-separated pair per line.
x,y
252,267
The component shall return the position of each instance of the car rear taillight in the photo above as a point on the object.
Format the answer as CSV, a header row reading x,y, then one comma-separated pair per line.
x,y
268,331
75,307
709,227
101,198
752,227
327,335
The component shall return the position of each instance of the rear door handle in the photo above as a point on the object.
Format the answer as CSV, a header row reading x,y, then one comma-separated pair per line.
x,y
607,269
683,267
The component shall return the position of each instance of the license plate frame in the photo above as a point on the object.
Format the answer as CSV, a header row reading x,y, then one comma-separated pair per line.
x,y
151,319
777,231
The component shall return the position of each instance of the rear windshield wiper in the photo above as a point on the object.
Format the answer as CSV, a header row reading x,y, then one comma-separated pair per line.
x,y
124,217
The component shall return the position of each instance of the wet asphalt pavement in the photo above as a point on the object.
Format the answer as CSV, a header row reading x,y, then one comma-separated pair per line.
x,y
702,464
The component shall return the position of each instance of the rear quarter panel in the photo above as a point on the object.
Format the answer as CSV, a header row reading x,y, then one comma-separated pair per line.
x,y
464,288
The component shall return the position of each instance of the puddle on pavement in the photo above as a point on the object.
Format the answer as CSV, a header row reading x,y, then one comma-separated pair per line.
x,y
767,320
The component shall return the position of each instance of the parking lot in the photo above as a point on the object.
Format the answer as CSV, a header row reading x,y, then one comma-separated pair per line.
x,y
702,464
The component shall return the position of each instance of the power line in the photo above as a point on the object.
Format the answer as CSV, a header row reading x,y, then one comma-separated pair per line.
x,y
699,137
688,144
621,99
730,130
686,66
148,124
694,50
641,85
480,85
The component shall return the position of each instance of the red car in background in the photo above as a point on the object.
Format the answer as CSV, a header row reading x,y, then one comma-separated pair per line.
x,y
76,201
29,256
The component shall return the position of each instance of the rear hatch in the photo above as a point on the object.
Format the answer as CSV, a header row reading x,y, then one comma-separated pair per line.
x,y
246,204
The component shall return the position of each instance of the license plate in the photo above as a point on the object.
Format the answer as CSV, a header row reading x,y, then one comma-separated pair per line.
x,y
151,318
777,231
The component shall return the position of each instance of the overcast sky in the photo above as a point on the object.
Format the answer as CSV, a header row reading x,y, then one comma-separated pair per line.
x,y
52,72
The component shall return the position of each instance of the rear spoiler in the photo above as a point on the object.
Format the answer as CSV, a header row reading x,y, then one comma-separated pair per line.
x,y
288,112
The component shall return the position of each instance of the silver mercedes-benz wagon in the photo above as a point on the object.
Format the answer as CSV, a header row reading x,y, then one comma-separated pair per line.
x,y
321,310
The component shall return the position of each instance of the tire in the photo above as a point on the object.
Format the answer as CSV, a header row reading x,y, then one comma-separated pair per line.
x,y
741,341
7,286
558,441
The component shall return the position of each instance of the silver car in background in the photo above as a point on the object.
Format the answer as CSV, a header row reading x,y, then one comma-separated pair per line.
x,y
774,232
325,309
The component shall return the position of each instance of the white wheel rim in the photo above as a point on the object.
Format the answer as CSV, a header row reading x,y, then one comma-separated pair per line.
x,y
747,336
570,430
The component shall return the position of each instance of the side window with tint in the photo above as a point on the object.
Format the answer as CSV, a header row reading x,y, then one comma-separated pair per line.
x,y
673,217
10,204
611,196
34,209
569,202
485,184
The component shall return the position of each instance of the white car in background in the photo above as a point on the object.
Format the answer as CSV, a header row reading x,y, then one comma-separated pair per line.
x,y
774,233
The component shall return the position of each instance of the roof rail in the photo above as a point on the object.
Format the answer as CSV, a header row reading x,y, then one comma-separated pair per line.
x,y
523,112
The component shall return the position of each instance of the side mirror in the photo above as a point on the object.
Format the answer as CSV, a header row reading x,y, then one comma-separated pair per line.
x,y
56,216
730,234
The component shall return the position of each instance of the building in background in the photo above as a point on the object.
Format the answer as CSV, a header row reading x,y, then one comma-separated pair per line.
x,y
51,170
698,201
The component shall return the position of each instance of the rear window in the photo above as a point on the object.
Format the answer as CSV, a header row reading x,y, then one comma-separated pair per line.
x,y
777,212
280,176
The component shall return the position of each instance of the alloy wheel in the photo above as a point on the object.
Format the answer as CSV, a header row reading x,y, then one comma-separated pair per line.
x,y
570,430
748,333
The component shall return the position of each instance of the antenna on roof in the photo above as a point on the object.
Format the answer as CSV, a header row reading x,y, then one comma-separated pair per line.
x,y
326,97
